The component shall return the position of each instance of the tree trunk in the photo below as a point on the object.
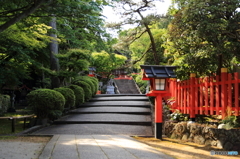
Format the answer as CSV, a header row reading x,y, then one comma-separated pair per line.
x,y
54,63
220,64
154,49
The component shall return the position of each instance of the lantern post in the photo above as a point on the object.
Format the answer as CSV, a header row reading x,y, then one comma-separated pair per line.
x,y
158,77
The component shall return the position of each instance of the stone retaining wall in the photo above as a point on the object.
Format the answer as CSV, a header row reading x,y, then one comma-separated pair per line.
x,y
228,140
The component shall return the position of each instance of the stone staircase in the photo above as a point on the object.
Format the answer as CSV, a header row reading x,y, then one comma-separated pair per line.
x,y
107,114
126,86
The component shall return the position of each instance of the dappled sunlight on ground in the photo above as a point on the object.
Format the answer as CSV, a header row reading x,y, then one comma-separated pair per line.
x,y
184,150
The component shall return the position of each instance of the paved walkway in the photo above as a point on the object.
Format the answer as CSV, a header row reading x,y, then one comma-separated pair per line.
x,y
101,129
98,147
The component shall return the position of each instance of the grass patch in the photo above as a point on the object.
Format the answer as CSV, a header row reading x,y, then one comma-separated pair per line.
x,y
7,137
6,124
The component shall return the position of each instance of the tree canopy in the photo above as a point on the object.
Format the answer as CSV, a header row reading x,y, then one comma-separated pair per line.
x,y
25,34
204,35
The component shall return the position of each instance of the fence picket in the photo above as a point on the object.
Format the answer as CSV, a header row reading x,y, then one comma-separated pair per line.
x,y
209,95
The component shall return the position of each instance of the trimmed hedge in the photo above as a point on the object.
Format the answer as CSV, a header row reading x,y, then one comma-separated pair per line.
x,y
86,87
79,94
95,82
92,81
4,103
46,102
68,95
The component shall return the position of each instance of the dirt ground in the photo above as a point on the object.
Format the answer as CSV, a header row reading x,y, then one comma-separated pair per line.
x,y
22,147
183,150
33,139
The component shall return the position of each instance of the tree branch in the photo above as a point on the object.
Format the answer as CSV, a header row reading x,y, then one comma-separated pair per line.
x,y
24,14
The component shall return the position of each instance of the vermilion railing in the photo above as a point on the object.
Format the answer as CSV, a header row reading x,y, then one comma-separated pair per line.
x,y
218,95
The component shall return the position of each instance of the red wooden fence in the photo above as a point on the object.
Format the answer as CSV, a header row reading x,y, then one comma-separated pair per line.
x,y
218,95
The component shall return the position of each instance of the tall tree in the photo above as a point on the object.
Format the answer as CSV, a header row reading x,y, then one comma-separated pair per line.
x,y
54,62
204,34
14,11
133,13
22,49
105,62
24,41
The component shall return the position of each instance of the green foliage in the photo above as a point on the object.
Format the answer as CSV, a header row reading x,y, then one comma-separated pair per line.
x,y
93,82
87,89
231,122
106,62
68,95
20,51
24,48
72,62
177,116
204,40
4,103
79,94
44,102
142,84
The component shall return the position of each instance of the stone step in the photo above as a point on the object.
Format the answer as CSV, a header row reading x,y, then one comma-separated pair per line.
x,y
95,112
105,117
113,109
118,103
142,123
120,98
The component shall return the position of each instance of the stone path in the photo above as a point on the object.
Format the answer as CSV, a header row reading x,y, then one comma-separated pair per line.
x,y
101,129
98,147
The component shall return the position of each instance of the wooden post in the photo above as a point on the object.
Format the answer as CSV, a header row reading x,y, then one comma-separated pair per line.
x,y
201,96
236,93
158,116
229,90
196,95
13,124
178,101
206,103
211,96
192,96
185,106
223,91
217,96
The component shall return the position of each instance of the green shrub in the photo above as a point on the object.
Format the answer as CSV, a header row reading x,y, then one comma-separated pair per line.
x,y
142,84
86,87
79,94
96,83
46,102
93,82
4,103
68,95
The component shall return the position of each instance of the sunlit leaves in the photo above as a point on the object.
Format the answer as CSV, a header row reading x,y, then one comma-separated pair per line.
x,y
106,62
203,35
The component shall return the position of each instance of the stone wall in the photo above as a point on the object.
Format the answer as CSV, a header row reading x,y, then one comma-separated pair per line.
x,y
228,140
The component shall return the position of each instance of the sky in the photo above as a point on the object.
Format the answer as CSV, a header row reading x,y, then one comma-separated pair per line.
x,y
111,15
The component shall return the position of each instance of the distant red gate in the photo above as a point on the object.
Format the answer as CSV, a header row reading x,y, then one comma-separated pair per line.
x,y
218,95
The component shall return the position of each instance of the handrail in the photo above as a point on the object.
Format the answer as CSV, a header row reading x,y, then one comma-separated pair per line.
x,y
17,117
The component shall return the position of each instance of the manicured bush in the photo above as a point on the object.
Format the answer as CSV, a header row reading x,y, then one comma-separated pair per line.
x,y
68,95
86,87
79,94
46,102
141,83
4,103
93,82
